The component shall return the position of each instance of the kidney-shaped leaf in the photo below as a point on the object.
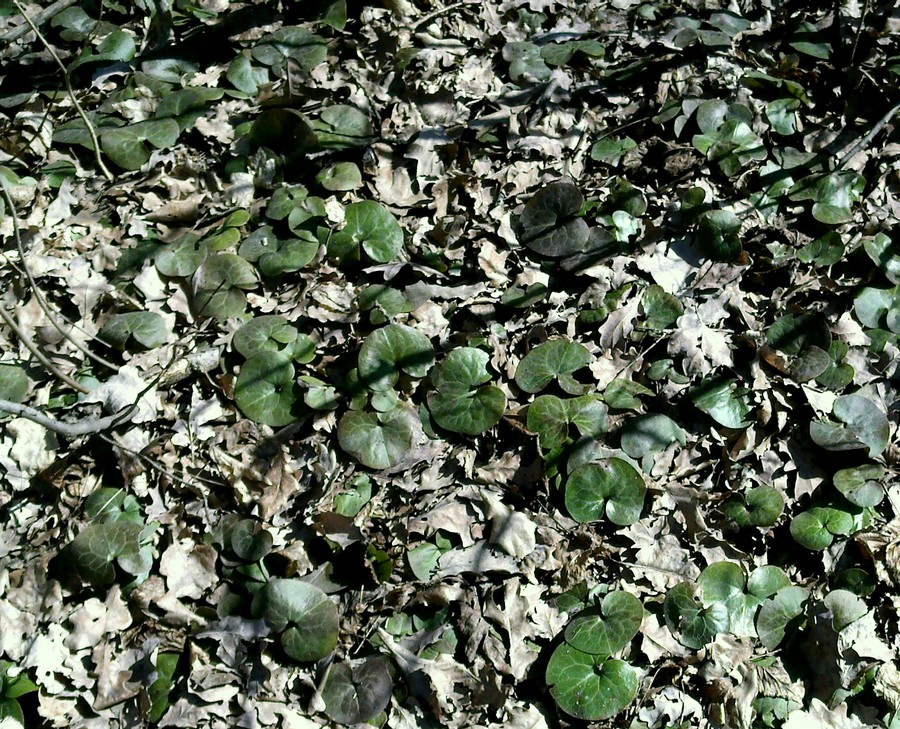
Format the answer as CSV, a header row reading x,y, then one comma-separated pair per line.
x,y
379,440
307,616
694,622
126,145
463,402
550,417
722,401
265,390
98,546
146,328
649,434
590,687
612,487
557,359
777,613
393,348
356,694
342,127
815,529
265,334
547,224
369,225
608,628
861,485
865,426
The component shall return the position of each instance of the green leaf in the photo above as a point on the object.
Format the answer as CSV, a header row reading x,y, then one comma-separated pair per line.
x,y
463,402
724,583
886,255
548,225
650,434
846,608
873,305
610,150
340,177
161,688
660,307
792,333
622,394
284,131
13,383
265,390
824,251
217,283
835,195
777,613
717,235
423,560
351,501
181,258
692,621
305,614
145,328
187,105
815,528
761,507
606,629
588,686
719,398
98,546
249,541
861,485
109,504
392,349
358,693
765,581
126,147
782,115
306,49
379,440
244,76
342,127
612,487
865,425
275,255
556,359
272,333
371,227
525,62
550,417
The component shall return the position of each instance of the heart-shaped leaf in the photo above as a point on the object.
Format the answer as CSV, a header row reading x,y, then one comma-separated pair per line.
x,y
719,398
816,528
371,227
761,506
550,417
548,225
358,693
765,581
181,258
185,106
557,359
273,334
305,614
126,146
463,402
694,622
98,546
145,328
590,687
379,440
249,541
865,425
846,608
265,390
724,583
340,177
777,613
244,76
650,433
835,195
217,285
606,629
306,49
612,487
861,485
342,127
525,62
392,349
886,255
275,255
660,307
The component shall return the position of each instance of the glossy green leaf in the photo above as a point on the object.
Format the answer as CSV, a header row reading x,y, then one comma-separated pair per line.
x,y
127,146
550,417
650,433
379,440
863,425
525,62
357,693
144,328
611,487
305,614
660,307
557,359
249,541
886,255
340,177
273,333
717,235
548,225
463,402
724,583
782,115
846,608
182,257
370,227
872,306
265,390
610,150
187,105
815,529
275,255
861,485
161,688
694,623
303,47
99,546
777,613
720,398
606,629
761,506
824,251
217,285
244,76
590,687
390,350
765,581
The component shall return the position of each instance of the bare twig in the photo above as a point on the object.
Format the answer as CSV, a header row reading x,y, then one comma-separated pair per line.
x,y
68,81
38,354
39,19
859,30
38,294
69,430
879,125
425,19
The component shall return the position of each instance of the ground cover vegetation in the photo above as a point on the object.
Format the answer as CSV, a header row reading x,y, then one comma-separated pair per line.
x,y
521,363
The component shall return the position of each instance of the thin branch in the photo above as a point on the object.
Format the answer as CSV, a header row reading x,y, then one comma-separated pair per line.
x,y
38,354
879,125
69,430
425,19
38,294
40,18
68,81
